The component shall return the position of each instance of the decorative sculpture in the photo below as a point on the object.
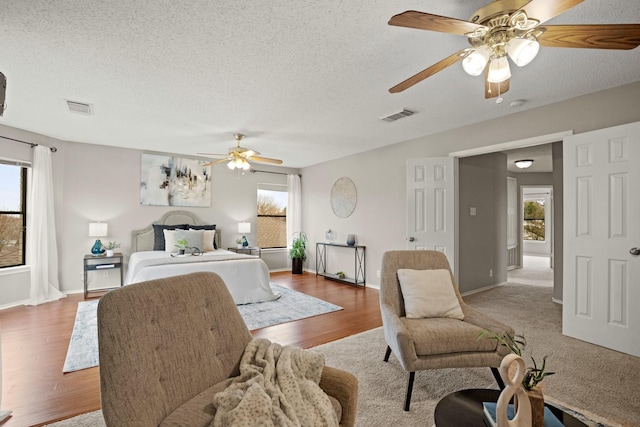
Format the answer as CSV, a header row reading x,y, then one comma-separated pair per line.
x,y
513,388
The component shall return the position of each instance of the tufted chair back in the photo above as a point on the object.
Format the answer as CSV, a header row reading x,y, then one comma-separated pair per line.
x,y
163,342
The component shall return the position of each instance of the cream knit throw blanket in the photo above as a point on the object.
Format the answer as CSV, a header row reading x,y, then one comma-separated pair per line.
x,y
277,386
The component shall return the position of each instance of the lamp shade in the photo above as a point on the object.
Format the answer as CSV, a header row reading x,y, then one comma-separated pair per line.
x,y
475,62
499,70
522,51
98,229
244,227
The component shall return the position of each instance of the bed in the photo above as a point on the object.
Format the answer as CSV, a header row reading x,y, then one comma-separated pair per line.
x,y
246,276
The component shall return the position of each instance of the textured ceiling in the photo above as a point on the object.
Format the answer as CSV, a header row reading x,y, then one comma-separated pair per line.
x,y
306,81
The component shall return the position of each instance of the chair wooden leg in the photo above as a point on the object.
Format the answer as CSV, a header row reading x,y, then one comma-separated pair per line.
x,y
407,399
387,354
496,375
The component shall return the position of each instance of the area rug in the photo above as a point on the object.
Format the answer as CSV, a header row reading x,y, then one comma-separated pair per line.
x,y
292,305
382,385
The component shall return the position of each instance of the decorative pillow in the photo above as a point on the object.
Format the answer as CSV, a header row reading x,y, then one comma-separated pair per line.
x,y
170,240
429,293
206,227
158,235
209,239
194,238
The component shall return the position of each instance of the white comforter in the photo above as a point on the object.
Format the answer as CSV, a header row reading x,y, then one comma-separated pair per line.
x,y
247,277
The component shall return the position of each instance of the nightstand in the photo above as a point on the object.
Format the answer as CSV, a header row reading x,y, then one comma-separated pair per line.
x,y
247,250
100,263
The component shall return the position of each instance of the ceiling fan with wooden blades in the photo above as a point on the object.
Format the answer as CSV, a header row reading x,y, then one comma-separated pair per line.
x,y
514,29
239,157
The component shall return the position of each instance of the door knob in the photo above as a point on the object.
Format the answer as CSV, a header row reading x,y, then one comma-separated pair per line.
x,y
634,251
411,239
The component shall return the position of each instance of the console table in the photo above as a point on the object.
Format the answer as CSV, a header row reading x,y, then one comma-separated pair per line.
x,y
359,265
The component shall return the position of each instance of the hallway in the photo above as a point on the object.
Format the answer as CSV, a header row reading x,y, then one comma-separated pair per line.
x,y
536,272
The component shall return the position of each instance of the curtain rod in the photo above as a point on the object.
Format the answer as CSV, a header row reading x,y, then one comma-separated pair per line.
x,y
252,170
53,149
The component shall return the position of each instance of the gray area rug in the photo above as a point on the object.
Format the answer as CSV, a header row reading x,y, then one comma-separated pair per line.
x,y
292,305
600,385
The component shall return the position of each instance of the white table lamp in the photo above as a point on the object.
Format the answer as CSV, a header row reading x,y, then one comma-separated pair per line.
x,y
244,228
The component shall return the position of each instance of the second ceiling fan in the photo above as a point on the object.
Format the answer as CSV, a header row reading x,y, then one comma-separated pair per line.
x,y
239,157
511,28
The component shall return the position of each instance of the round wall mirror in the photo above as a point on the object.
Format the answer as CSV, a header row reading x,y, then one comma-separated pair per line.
x,y
343,197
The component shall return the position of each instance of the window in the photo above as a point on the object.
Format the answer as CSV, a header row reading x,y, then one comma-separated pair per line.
x,y
534,220
12,214
272,217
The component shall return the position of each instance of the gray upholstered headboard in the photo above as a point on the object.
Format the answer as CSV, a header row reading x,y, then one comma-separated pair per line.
x,y
142,240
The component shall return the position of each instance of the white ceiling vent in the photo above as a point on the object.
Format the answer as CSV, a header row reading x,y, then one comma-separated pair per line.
x,y
399,115
80,107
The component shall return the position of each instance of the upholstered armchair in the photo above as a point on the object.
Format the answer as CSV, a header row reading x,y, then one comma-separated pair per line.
x,y
167,346
433,342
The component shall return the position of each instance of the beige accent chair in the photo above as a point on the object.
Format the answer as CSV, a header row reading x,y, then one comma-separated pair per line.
x,y
433,343
168,345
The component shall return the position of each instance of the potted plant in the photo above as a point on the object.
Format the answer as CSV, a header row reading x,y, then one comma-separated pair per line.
x,y
341,275
532,376
181,245
239,242
110,247
298,252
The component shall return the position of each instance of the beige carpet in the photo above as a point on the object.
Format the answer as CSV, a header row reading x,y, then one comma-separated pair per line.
x,y
602,383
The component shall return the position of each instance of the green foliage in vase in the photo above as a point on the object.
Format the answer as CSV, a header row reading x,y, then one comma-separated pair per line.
x,y
182,244
299,246
111,245
516,344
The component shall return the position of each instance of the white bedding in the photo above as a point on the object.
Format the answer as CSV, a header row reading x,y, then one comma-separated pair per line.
x,y
246,276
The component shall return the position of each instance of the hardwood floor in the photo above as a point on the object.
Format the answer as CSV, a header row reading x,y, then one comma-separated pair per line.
x,y
35,341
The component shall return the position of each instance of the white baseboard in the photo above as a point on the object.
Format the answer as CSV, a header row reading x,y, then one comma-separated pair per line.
x,y
13,304
485,288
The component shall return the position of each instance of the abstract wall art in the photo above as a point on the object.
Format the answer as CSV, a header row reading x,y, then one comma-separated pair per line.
x,y
174,181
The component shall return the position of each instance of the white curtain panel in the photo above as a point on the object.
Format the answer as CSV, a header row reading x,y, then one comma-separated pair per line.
x,y
294,207
3,412
41,231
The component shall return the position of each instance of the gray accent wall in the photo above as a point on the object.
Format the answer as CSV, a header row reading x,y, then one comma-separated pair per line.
x,y
482,243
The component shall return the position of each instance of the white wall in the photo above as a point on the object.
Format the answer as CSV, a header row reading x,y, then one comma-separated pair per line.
x,y
379,218
100,183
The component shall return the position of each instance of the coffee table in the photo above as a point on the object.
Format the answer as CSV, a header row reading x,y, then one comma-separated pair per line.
x,y
464,408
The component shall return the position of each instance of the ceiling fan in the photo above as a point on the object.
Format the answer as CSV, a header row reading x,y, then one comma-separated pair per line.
x,y
239,157
512,28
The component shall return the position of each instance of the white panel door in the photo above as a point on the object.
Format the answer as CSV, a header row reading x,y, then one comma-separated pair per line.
x,y
431,205
601,281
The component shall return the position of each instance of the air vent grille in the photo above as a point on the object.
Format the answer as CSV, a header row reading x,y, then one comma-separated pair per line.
x,y
399,115
80,107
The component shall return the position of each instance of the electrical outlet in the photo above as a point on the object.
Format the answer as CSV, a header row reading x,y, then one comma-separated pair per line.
x,y
490,272
378,274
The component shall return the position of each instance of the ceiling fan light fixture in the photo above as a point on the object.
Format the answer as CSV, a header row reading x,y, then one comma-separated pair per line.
x,y
522,51
476,61
499,70
524,164
239,163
